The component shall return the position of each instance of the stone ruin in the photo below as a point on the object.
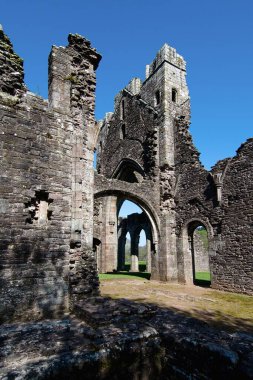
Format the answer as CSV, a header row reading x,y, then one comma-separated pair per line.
x,y
59,220
146,155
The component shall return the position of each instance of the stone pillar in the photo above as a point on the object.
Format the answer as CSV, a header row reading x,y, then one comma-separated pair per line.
x,y
134,253
109,235
72,82
148,255
59,74
121,252
167,250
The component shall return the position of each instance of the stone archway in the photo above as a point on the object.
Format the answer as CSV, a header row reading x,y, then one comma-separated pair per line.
x,y
133,224
187,251
107,218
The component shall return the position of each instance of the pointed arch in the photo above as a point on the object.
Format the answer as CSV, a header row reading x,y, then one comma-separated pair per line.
x,y
129,171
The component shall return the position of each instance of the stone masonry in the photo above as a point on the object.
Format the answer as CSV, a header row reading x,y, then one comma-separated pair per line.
x,y
59,224
46,187
146,155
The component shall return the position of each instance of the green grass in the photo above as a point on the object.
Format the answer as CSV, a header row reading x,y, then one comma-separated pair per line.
x,y
204,276
124,275
200,276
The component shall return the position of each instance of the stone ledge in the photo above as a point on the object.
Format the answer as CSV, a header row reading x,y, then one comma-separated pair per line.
x,y
123,340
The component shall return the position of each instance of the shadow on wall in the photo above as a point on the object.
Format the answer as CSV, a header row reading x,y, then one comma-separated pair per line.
x,y
34,280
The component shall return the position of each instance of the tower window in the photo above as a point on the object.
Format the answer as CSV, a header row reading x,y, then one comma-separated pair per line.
x,y
157,98
122,110
174,95
123,132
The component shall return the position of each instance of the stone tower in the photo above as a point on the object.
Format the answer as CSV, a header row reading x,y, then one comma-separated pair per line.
x,y
165,87
137,145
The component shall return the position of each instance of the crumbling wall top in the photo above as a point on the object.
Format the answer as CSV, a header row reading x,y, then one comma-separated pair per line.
x,y
83,47
12,71
166,54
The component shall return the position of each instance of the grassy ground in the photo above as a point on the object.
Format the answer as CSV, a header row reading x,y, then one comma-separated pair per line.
x,y
204,276
229,311
124,275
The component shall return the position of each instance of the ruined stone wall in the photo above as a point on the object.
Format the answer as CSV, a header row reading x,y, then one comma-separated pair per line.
x,y
11,67
36,165
150,126
233,263
195,190
136,120
222,202
38,200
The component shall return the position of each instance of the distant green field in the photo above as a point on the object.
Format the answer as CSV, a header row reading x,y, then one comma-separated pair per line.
x,y
204,276
200,276
124,275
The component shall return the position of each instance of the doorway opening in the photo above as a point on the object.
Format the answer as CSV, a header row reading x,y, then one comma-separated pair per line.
x,y
134,238
199,247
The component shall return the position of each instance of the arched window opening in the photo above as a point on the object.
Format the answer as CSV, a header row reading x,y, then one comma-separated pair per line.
x,y
122,132
157,98
129,171
95,159
174,95
122,110
127,207
199,246
142,254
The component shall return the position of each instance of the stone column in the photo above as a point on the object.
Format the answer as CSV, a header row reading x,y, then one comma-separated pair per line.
x,y
134,253
121,252
72,82
109,235
148,255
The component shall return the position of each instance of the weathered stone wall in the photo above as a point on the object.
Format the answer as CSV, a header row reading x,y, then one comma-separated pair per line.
x,y
11,67
36,160
138,120
195,197
195,190
40,261
146,153
233,263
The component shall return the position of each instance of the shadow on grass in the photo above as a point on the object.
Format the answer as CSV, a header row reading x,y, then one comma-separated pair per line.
x,y
202,283
214,318
221,320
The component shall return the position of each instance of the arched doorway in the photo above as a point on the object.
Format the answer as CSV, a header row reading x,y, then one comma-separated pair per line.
x,y
112,228
199,248
143,252
134,238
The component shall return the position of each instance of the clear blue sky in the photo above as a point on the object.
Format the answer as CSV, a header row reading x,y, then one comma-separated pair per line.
x,y
215,37
129,207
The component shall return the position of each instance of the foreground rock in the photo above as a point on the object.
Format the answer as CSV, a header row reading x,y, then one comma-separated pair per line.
x,y
123,340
